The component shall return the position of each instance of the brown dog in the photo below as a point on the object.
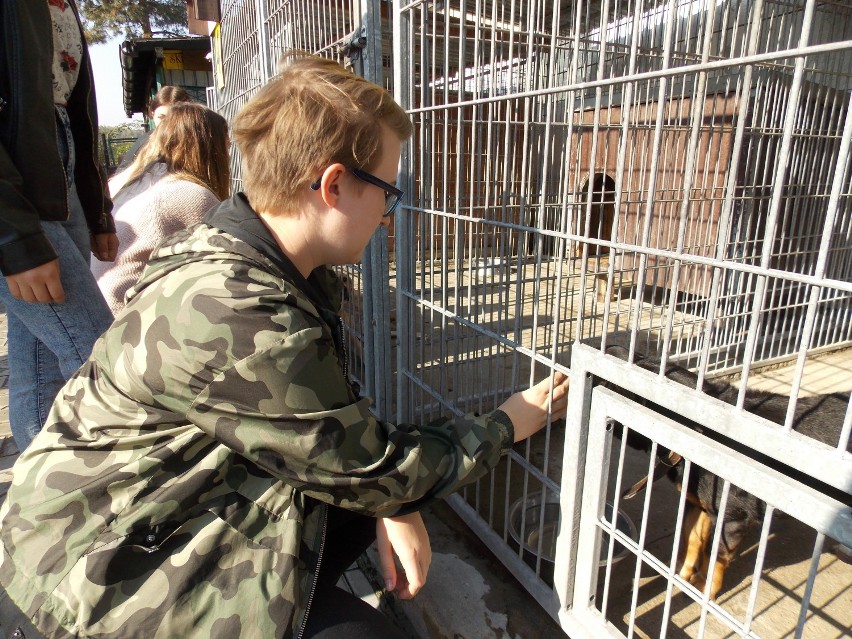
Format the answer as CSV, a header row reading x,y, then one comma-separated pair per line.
x,y
819,417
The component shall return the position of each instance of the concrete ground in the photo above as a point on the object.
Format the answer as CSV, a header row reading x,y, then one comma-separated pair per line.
x,y
470,594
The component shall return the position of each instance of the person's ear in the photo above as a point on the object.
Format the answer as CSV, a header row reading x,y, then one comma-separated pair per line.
x,y
330,184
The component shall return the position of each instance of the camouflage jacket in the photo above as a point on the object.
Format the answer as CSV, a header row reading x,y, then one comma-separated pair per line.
x,y
179,486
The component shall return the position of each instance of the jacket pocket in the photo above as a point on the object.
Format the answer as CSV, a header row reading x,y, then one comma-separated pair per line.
x,y
181,579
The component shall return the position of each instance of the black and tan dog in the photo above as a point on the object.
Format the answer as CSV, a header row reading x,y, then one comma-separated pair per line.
x,y
819,417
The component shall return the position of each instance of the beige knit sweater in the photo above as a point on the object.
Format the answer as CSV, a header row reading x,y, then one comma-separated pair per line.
x,y
145,214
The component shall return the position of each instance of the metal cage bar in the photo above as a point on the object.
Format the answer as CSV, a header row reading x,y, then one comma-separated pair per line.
x,y
666,177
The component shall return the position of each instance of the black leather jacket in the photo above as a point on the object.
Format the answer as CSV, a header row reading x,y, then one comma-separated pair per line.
x,y
33,185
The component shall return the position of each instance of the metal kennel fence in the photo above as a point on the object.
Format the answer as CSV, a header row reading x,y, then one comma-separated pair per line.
x,y
666,181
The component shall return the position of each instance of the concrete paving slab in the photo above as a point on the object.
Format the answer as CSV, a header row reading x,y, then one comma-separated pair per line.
x,y
469,593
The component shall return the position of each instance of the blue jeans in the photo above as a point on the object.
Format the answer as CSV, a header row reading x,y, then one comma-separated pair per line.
x,y
49,342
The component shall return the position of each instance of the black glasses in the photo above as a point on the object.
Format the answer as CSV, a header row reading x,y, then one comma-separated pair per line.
x,y
392,194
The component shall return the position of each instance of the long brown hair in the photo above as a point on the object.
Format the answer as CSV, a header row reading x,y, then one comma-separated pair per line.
x,y
192,141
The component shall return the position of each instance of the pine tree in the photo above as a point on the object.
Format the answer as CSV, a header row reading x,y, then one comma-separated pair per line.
x,y
105,19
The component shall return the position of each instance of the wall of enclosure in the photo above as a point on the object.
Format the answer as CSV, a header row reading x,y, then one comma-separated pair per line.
x,y
656,198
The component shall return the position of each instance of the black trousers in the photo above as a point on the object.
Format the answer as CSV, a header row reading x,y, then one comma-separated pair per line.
x,y
14,623
334,613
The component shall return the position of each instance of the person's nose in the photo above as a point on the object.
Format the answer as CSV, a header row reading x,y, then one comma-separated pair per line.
x,y
385,221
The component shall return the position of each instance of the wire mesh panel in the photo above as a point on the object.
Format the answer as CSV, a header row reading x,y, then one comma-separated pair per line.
x,y
633,191
239,69
670,179
673,478
662,577
254,34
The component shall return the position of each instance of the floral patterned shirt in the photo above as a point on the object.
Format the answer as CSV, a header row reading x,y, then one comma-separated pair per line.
x,y
67,49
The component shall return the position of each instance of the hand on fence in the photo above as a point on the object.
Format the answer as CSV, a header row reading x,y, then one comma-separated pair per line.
x,y
528,409
405,537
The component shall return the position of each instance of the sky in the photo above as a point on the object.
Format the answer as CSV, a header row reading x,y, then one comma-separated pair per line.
x,y
107,70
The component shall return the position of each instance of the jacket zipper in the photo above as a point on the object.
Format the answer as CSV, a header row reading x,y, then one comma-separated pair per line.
x,y
342,330
62,167
92,128
12,40
316,572
94,157
65,168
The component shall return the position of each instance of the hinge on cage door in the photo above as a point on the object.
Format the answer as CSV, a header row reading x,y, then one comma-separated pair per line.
x,y
354,44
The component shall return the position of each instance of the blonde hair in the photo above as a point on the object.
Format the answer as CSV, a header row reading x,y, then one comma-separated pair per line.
x,y
192,141
314,113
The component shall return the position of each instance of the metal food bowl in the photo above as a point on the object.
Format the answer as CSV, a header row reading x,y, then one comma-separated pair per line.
x,y
528,529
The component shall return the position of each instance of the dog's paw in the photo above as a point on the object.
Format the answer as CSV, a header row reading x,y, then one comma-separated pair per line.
x,y
686,572
699,580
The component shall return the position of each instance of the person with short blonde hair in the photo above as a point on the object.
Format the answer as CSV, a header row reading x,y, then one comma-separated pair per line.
x,y
177,177
312,114
212,470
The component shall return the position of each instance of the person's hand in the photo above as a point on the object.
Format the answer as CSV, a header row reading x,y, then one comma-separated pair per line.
x,y
528,409
105,246
39,284
405,537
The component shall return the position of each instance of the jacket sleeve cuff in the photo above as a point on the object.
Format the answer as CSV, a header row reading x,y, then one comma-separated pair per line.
x,y
25,253
106,224
506,429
